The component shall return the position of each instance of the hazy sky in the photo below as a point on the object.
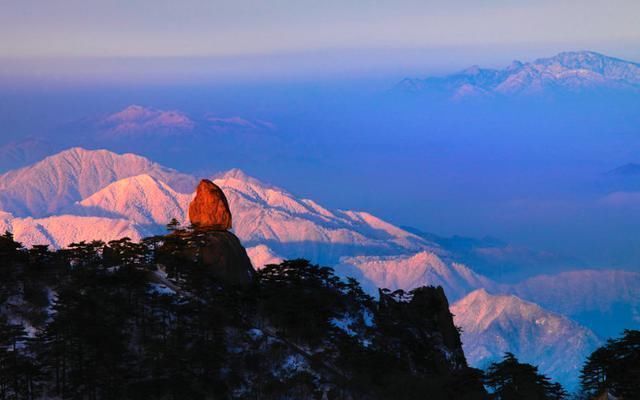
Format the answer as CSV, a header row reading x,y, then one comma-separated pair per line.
x,y
383,31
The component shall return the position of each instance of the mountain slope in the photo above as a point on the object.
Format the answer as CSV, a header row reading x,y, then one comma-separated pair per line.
x,y
567,71
627,170
497,259
492,325
60,231
102,184
140,199
293,227
412,271
261,255
58,181
137,120
608,301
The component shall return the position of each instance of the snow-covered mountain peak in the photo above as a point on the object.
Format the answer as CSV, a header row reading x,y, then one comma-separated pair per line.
x,y
236,181
577,60
571,71
58,181
141,199
134,111
492,325
295,227
481,309
136,119
478,295
99,183
236,176
262,255
233,173
411,271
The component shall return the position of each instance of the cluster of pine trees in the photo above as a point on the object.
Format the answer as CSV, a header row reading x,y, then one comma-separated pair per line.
x,y
510,379
125,320
614,368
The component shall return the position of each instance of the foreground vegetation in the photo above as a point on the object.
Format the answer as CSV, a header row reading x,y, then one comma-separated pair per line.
x,y
124,320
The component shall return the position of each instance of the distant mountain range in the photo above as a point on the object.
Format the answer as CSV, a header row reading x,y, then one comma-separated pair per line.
x,y
83,194
100,184
140,121
566,72
630,169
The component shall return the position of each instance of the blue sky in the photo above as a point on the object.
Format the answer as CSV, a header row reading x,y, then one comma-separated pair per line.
x,y
309,36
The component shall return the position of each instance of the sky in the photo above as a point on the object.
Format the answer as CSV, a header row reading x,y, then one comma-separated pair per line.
x,y
282,36
320,72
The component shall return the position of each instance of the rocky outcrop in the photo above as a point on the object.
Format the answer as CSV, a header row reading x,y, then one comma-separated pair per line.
x,y
226,258
427,308
219,250
209,210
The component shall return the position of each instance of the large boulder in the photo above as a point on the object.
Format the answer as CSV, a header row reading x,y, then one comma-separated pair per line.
x,y
226,258
209,210
219,250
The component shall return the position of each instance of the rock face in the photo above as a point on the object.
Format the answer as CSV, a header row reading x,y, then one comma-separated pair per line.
x,y
220,251
209,210
226,258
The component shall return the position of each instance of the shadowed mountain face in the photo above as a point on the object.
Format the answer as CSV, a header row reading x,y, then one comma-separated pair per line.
x,y
565,72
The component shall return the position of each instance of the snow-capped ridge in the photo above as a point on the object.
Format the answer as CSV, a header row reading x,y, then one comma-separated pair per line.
x,y
58,181
99,183
62,230
572,71
411,271
262,255
136,120
142,199
495,324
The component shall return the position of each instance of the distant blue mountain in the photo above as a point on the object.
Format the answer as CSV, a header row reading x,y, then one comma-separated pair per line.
x,y
626,170
565,72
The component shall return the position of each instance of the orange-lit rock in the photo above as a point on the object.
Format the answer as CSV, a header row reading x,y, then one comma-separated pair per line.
x,y
209,210
215,248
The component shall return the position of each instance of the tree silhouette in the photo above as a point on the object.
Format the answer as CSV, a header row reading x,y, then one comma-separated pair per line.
x,y
512,380
127,320
614,367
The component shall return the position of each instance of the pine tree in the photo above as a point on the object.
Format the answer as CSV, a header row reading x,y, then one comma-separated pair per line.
x,y
614,367
512,380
